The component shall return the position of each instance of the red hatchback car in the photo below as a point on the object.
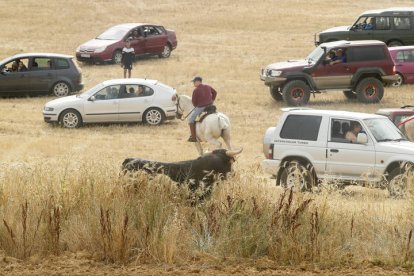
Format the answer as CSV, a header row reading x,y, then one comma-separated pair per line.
x,y
147,39
403,57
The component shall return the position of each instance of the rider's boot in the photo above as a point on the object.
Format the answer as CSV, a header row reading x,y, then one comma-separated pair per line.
x,y
193,137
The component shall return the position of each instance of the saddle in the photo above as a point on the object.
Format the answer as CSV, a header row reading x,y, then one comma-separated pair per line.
x,y
211,109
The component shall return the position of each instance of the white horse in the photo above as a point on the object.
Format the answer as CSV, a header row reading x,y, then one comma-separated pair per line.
x,y
213,126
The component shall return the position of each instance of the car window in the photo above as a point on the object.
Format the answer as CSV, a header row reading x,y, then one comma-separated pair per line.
x,y
16,65
301,127
402,23
382,23
108,93
61,63
383,129
345,131
357,54
150,31
41,63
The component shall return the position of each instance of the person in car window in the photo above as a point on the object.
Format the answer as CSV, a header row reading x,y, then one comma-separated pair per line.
x,y
140,91
21,67
370,24
352,134
340,57
128,56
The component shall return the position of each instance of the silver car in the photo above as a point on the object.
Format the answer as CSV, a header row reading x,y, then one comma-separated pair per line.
x,y
120,100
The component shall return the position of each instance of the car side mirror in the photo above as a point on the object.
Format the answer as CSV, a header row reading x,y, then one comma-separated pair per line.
x,y
92,99
362,138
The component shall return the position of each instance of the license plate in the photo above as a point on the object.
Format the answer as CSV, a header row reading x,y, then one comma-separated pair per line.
x,y
85,55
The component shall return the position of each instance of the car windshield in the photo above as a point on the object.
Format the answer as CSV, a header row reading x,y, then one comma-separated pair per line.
x,y
114,33
92,91
384,130
315,55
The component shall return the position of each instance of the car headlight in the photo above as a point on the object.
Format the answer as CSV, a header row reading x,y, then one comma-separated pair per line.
x,y
274,73
77,49
46,108
100,49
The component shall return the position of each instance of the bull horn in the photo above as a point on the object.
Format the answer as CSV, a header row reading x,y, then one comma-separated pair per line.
x,y
232,153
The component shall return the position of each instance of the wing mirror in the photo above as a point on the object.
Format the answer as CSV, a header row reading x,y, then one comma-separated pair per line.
x,y
362,138
92,98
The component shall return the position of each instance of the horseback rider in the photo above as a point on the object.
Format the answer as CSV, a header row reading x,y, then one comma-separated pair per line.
x,y
203,96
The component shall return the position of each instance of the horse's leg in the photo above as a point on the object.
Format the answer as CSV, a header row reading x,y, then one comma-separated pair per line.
x,y
227,139
199,147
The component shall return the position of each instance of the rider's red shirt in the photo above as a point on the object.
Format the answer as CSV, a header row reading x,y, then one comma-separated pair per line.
x,y
203,95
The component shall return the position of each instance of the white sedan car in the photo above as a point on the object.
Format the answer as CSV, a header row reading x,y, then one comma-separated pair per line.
x,y
121,100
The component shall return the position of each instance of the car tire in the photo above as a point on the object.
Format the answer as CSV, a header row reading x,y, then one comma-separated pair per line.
x,y
296,93
70,119
275,93
166,52
153,116
296,175
369,90
399,82
61,89
397,183
117,57
394,43
349,94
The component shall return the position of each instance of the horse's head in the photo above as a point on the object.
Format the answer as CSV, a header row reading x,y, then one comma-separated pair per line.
x,y
184,106
179,110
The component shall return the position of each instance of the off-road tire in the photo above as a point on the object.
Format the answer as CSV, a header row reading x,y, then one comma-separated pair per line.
x,y
296,93
369,90
297,175
275,93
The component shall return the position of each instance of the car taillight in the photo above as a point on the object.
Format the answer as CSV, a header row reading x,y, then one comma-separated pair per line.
x,y
394,71
174,98
270,152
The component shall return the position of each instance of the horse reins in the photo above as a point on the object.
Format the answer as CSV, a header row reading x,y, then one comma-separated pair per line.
x,y
182,111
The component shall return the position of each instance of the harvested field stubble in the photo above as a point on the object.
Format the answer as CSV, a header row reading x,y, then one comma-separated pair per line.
x,y
60,190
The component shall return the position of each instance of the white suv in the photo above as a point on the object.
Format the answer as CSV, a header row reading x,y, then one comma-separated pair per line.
x,y
311,144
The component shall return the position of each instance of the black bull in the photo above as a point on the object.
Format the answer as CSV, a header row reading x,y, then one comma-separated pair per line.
x,y
205,168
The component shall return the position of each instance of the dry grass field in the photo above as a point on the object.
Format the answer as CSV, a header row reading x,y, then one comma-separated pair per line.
x,y
64,208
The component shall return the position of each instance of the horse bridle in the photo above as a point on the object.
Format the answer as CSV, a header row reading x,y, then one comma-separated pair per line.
x,y
180,115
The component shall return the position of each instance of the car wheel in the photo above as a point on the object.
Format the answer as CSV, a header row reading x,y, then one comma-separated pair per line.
x,y
370,90
70,119
275,93
296,175
166,52
153,117
394,43
397,182
61,89
349,94
399,81
117,57
296,93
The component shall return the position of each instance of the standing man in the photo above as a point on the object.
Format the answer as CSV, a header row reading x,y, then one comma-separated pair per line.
x,y
203,96
128,55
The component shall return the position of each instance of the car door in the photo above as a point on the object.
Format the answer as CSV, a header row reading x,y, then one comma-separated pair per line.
x,y
14,80
155,39
103,106
138,41
332,75
134,102
345,160
42,74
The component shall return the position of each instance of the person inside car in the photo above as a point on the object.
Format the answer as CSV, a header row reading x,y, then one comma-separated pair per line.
x,y
370,24
352,134
21,67
140,91
340,57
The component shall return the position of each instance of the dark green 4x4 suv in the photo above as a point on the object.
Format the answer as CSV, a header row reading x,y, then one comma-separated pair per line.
x,y
393,26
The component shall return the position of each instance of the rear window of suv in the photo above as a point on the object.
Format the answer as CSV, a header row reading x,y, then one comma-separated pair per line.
x,y
356,54
301,127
